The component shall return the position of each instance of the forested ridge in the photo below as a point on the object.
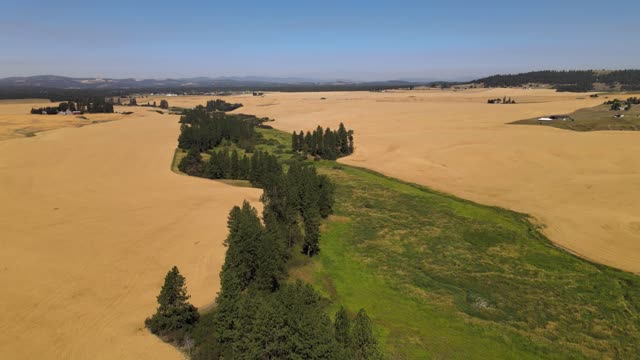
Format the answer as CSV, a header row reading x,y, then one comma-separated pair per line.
x,y
572,80
259,314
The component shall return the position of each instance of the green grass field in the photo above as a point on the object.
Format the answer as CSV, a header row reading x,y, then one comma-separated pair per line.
x,y
596,118
444,278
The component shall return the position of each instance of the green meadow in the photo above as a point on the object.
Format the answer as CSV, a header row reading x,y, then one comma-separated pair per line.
x,y
445,278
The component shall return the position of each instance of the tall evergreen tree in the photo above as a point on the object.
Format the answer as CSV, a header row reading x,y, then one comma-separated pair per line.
x,y
351,147
175,314
326,196
308,142
311,245
235,165
342,326
192,163
240,266
363,343
294,142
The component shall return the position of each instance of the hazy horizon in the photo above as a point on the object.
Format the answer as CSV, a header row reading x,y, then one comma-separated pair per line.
x,y
358,41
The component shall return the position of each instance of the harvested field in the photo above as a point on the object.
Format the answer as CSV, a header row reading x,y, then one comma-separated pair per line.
x,y
16,121
91,221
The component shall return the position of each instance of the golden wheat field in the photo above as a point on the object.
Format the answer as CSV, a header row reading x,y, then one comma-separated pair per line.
x,y
580,186
92,218
16,121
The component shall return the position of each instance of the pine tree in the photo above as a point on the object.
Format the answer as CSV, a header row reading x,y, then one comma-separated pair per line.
x,y
192,163
343,139
326,196
240,266
245,167
164,104
351,147
175,314
235,165
318,141
308,142
270,266
342,326
294,142
301,141
364,345
311,245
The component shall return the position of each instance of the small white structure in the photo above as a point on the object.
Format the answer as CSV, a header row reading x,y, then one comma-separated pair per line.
x,y
545,119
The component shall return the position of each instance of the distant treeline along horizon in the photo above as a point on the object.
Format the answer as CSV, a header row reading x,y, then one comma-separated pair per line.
x,y
58,88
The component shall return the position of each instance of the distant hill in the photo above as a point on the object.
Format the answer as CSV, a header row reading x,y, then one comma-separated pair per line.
x,y
572,80
60,87
62,82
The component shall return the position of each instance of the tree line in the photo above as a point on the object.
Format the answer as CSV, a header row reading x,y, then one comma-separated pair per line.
x,y
617,105
221,105
574,80
225,164
324,143
504,100
258,315
298,198
84,105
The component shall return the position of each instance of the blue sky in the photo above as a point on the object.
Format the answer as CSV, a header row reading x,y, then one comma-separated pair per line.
x,y
359,40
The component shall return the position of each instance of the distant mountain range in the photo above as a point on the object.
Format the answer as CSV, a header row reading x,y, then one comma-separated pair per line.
x,y
62,82
44,85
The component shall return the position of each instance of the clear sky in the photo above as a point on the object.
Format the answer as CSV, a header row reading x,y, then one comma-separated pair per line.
x,y
323,39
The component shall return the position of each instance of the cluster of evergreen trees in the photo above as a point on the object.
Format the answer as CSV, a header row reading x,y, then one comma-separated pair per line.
x,y
84,105
324,144
205,130
504,100
221,105
225,164
259,316
297,199
175,316
622,104
633,100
